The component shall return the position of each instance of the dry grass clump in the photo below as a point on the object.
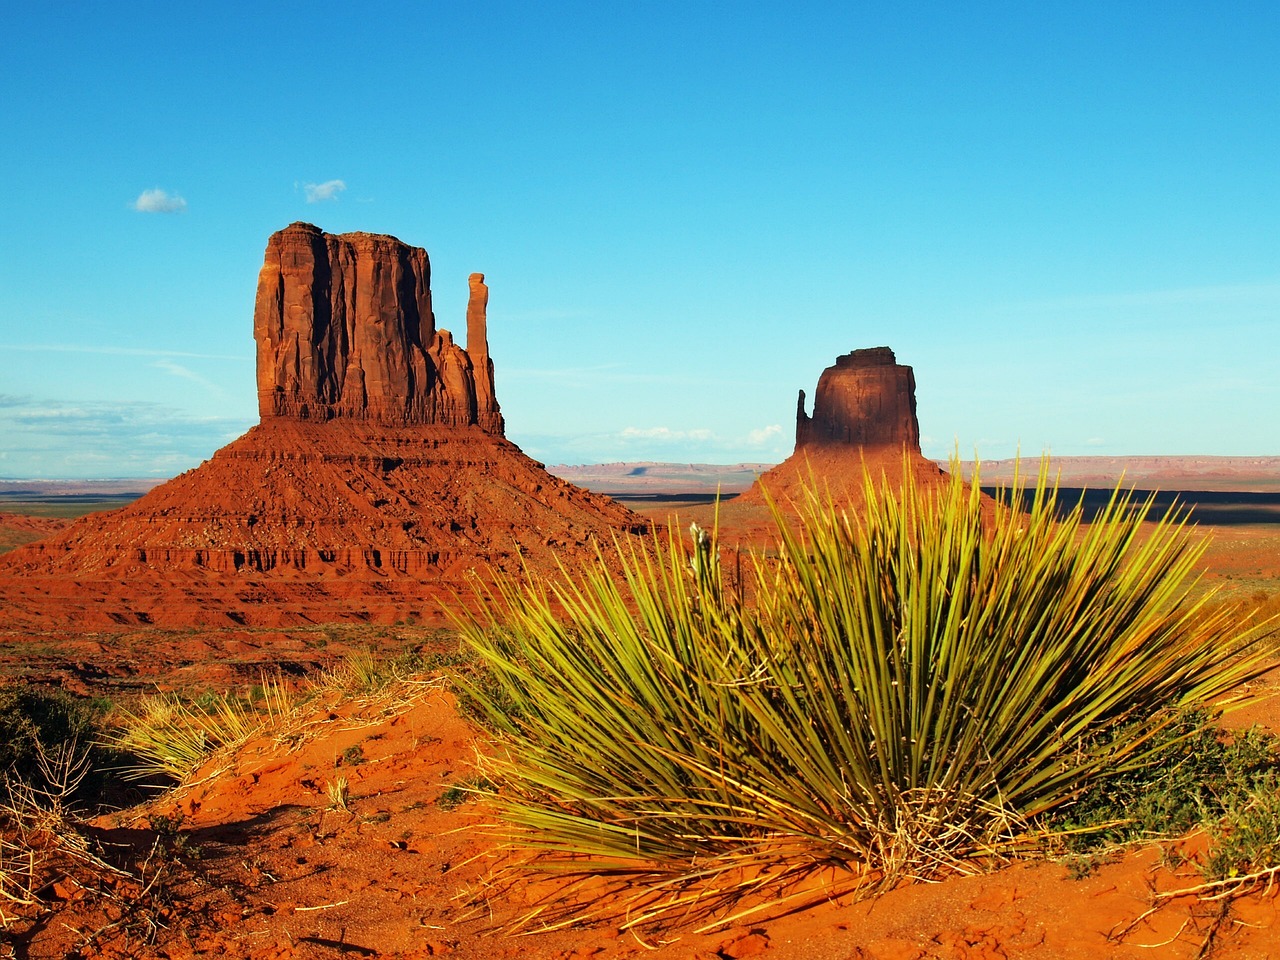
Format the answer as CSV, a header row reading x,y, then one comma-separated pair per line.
x,y
908,688
47,856
38,843
173,736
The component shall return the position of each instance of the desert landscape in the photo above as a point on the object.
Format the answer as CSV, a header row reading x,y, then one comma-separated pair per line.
x,y
598,481
255,710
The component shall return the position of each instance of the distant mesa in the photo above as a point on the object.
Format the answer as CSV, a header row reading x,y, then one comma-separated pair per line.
x,y
867,399
864,419
379,471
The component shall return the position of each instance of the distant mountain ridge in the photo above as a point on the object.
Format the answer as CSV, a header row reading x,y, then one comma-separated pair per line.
x,y
79,488
1145,472
1176,472
1189,472
648,476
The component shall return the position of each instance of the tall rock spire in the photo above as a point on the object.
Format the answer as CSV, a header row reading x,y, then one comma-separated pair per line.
x,y
488,415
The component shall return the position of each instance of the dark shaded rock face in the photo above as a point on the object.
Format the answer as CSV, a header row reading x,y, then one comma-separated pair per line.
x,y
864,423
867,399
344,329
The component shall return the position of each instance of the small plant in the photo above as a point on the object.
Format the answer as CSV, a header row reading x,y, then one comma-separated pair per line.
x,y
459,793
352,756
361,673
42,838
1192,774
174,737
47,738
1247,836
339,791
919,684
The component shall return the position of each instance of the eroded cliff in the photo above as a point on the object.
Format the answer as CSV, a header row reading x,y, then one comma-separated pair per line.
x,y
345,329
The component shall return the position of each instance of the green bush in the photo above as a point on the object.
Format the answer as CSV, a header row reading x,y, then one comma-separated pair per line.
x,y
40,726
1194,775
1247,835
901,688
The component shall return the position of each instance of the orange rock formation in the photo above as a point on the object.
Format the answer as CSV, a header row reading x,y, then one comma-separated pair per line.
x,y
345,328
380,457
864,419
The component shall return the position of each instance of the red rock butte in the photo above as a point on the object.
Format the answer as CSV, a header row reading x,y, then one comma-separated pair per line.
x,y
345,329
864,419
377,482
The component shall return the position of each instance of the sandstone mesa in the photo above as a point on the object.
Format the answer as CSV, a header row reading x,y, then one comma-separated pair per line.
x,y
864,420
380,458
345,329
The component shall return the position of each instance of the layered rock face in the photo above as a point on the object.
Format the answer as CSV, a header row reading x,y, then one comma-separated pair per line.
x,y
345,329
867,399
340,498
377,484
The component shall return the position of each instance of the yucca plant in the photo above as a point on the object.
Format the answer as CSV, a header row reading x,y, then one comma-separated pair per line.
x,y
906,686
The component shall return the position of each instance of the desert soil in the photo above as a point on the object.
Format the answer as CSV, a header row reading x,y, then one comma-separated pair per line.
x,y
257,859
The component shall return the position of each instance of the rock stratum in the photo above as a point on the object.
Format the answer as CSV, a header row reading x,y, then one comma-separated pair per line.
x,y
377,483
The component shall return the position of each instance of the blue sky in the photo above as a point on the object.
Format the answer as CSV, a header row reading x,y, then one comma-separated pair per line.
x,y
1065,217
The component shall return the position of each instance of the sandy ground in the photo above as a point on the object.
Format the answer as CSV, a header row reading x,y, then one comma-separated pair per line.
x,y
256,859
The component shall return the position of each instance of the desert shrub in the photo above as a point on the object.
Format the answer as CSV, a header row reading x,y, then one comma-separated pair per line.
x,y
909,686
1194,775
40,723
1246,836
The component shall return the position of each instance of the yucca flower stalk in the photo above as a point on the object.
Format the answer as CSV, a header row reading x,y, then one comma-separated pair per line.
x,y
907,686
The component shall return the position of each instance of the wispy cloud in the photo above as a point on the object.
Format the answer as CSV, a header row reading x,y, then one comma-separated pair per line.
x,y
119,351
665,434
59,439
318,192
178,370
661,443
159,201
764,434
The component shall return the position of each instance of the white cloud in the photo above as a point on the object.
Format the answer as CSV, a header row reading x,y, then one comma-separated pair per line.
x,y
178,370
159,201
47,438
764,434
329,190
665,433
